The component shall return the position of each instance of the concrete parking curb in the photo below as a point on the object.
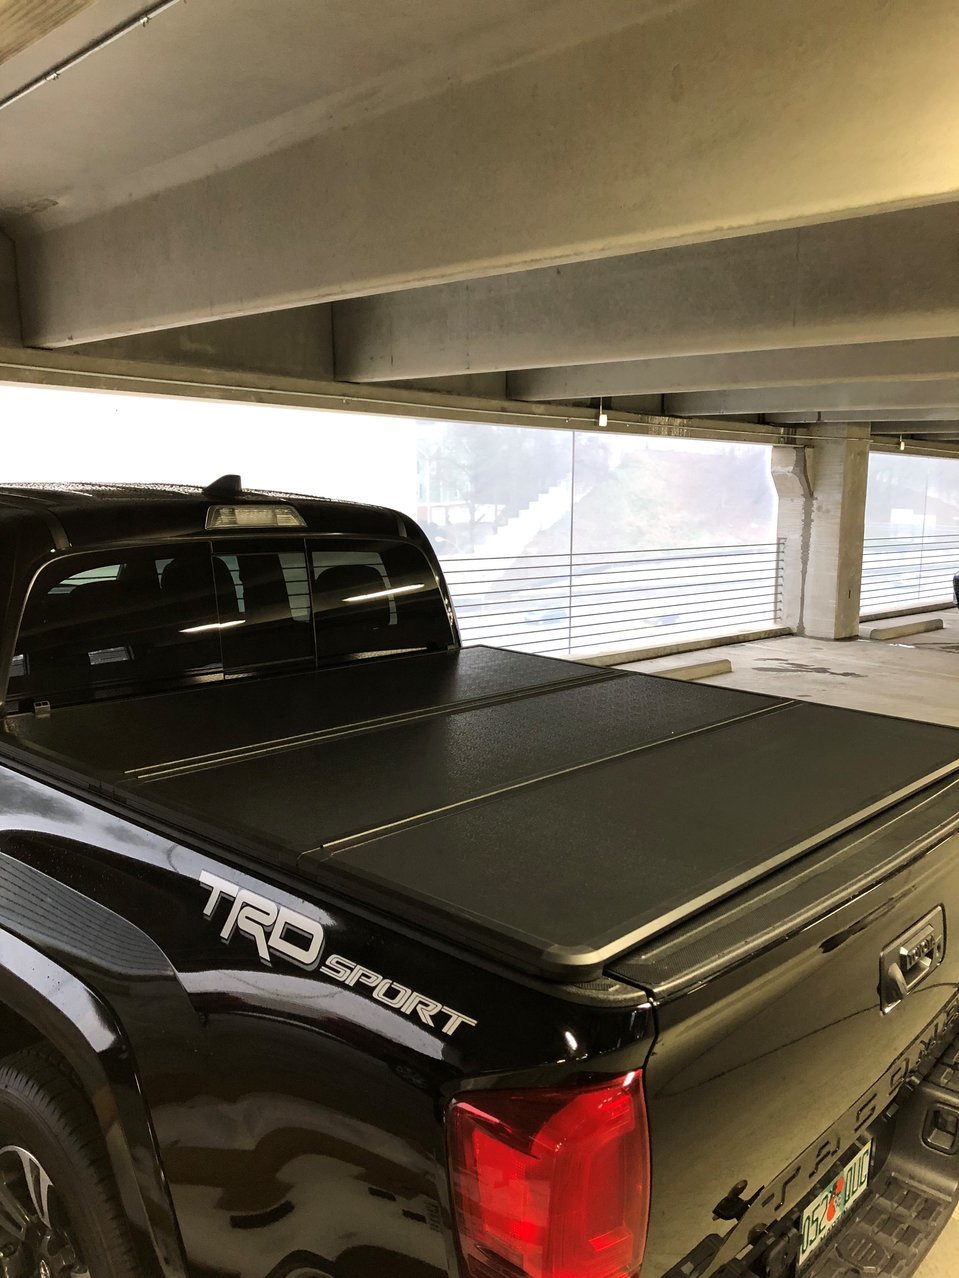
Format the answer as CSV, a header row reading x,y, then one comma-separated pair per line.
x,y
907,628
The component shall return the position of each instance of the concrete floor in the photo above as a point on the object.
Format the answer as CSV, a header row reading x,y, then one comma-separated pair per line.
x,y
914,678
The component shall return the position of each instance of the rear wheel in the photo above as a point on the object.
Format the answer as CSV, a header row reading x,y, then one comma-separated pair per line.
x,y
59,1214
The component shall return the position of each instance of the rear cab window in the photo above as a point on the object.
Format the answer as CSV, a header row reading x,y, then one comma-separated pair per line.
x,y
264,605
374,598
112,623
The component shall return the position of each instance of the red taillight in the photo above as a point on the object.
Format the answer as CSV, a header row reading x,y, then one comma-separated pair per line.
x,y
551,1184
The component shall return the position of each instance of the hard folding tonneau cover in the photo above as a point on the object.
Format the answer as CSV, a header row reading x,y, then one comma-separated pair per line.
x,y
547,812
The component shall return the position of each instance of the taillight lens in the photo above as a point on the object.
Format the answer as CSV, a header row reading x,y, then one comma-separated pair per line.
x,y
551,1184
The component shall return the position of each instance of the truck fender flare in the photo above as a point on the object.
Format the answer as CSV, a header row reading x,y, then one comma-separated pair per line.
x,y
70,1017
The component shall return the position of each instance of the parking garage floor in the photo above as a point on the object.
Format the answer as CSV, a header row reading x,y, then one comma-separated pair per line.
x,y
915,677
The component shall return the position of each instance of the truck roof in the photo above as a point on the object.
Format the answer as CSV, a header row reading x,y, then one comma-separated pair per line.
x,y
61,497
80,514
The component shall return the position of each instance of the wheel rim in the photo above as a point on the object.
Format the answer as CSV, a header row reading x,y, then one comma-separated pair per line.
x,y
37,1237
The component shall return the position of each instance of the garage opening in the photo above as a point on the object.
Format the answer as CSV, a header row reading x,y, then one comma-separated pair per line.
x,y
911,547
554,540
635,540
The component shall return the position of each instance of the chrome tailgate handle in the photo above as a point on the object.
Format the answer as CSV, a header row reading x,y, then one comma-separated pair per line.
x,y
911,958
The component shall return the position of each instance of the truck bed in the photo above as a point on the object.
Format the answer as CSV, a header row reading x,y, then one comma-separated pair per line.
x,y
542,811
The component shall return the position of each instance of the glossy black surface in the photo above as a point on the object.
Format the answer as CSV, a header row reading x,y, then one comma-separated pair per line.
x,y
752,1069
297,1121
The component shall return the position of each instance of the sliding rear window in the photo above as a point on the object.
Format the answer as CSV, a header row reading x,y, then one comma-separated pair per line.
x,y
112,623
263,594
373,598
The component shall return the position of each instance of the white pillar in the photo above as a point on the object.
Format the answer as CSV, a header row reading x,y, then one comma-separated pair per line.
x,y
791,469
822,510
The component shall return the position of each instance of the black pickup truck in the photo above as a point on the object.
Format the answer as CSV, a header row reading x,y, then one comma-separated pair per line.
x,y
331,948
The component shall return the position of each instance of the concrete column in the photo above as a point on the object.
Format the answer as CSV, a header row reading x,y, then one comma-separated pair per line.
x,y
834,566
9,305
791,472
822,509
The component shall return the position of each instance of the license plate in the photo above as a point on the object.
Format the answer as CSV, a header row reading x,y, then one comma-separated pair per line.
x,y
822,1216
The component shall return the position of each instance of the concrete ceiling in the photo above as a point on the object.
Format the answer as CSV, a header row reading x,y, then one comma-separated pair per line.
x,y
24,22
694,208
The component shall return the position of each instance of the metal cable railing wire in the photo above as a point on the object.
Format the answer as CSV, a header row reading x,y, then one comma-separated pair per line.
x,y
562,603
898,572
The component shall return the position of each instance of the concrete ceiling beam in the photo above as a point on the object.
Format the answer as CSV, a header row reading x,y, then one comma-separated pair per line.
x,y
746,370
917,415
888,278
917,428
293,343
66,368
909,416
652,135
833,396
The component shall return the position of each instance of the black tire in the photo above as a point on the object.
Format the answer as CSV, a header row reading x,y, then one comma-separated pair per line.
x,y
43,1111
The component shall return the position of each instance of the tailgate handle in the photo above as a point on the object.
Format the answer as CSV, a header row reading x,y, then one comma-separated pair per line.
x,y
911,958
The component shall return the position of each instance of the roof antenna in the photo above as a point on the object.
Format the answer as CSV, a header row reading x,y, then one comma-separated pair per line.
x,y
226,488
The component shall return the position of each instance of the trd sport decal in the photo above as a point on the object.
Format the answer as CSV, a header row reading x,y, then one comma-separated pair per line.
x,y
276,930
279,932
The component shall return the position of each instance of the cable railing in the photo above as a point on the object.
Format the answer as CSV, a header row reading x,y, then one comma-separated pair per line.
x,y
615,599
898,572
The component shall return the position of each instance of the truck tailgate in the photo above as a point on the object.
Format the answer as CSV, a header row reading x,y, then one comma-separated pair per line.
x,y
774,1055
